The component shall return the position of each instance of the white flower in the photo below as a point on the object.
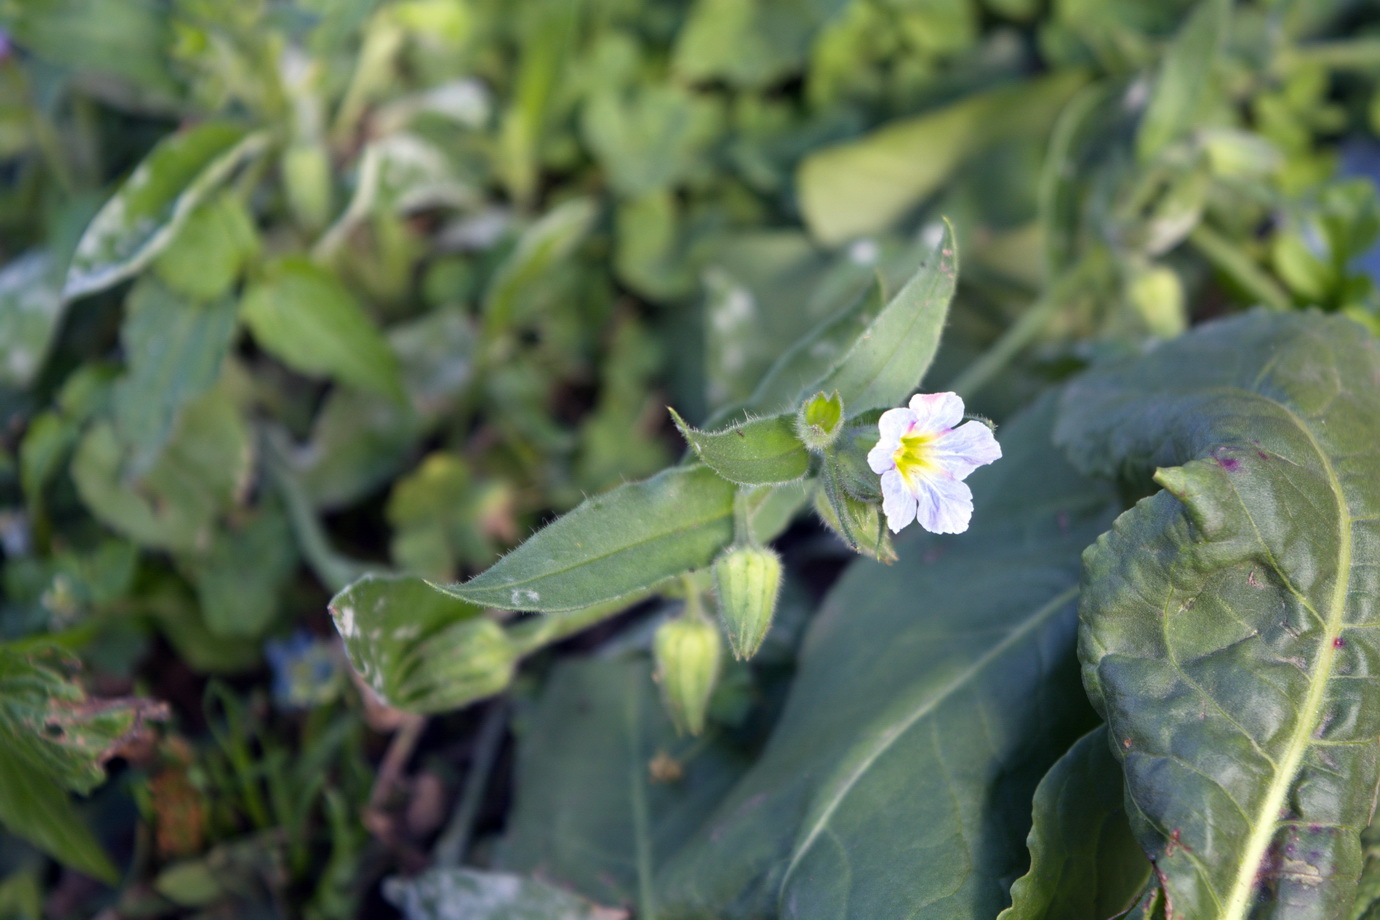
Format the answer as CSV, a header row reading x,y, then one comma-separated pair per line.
x,y
923,457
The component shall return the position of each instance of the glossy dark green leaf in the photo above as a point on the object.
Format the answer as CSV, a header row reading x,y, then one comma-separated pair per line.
x,y
306,317
612,545
145,213
1085,863
606,789
173,349
930,698
1228,621
887,361
469,894
420,649
763,451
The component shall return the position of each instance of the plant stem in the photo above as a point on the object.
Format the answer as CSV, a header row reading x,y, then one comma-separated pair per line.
x,y
455,839
1228,258
537,631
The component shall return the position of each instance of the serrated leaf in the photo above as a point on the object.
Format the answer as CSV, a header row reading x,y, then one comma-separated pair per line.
x,y
1184,81
762,451
419,648
31,306
469,894
173,349
887,361
930,697
144,214
1228,621
1085,862
303,315
605,789
612,545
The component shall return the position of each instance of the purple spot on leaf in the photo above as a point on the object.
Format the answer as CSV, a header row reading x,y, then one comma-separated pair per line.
x,y
1230,464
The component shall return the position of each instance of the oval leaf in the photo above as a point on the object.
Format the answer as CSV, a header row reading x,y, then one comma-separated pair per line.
x,y
1229,622
145,213
303,315
762,451
612,545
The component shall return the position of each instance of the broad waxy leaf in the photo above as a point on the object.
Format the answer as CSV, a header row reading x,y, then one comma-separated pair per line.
x,y
1085,862
890,357
606,790
612,545
930,697
1228,621
420,649
304,315
146,211
469,894
762,451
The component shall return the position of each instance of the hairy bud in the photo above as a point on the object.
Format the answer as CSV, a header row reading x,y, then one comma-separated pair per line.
x,y
688,651
819,421
747,579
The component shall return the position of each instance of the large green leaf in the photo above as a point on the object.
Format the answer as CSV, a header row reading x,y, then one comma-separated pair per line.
x,y
1228,622
612,545
930,698
605,789
888,359
174,349
1085,862
304,315
144,215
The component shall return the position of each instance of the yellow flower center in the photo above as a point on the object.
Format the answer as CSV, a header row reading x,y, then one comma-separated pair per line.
x,y
912,455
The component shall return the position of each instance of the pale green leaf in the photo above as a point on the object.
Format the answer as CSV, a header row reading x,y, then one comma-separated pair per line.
x,y
1184,82
867,185
612,545
420,649
31,307
145,213
469,894
606,790
173,349
929,699
762,451
206,254
1228,621
305,316
651,137
1085,862
512,293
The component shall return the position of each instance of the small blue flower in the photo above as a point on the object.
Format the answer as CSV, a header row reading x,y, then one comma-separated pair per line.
x,y
923,456
306,671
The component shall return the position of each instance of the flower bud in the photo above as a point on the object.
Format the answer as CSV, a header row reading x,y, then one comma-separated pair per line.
x,y
687,651
857,523
463,662
819,421
747,579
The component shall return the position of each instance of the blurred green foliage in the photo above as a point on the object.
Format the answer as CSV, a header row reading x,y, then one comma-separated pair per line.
x,y
295,290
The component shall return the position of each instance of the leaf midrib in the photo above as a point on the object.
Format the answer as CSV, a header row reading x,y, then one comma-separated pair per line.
x,y
929,705
1241,898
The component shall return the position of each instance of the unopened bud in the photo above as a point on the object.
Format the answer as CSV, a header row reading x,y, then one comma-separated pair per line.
x,y
463,662
820,420
857,522
747,579
688,651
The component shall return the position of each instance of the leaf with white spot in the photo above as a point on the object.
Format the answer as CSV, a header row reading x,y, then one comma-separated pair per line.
x,y
1229,622
469,894
144,214
31,306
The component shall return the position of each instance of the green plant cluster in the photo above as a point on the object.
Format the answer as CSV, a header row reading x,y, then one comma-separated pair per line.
x,y
379,303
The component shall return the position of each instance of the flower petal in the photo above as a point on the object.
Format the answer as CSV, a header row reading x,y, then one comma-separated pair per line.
x,y
936,411
965,448
944,505
892,424
898,504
